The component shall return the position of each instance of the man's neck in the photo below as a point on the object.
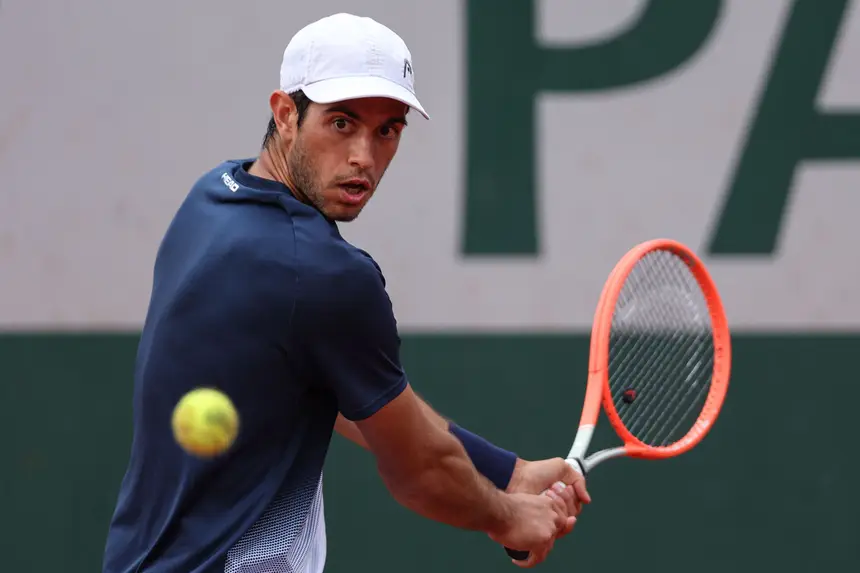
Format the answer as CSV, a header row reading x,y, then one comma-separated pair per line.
x,y
273,166
266,168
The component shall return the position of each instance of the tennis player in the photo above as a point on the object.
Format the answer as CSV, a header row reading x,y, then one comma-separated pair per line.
x,y
256,293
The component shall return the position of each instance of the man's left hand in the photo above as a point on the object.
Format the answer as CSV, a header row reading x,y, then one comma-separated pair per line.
x,y
542,475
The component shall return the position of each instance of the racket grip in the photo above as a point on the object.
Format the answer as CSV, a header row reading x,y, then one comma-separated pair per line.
x,y
516,554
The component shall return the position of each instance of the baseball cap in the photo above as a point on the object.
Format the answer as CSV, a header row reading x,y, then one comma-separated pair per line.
x,y
344,56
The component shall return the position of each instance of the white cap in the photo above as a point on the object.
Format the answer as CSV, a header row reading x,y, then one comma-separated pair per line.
x,y
343,57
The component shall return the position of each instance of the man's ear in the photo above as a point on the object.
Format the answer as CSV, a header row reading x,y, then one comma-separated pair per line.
x,y
286,115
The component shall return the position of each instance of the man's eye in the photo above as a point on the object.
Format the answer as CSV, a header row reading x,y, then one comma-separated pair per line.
x,y
340,123
388,131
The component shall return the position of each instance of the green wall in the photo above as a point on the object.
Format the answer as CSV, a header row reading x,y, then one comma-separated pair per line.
x,y
773,487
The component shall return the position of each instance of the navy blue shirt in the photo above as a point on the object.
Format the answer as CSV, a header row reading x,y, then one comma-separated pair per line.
x,y
257,294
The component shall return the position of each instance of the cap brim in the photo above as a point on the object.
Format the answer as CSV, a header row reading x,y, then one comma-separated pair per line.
x,y
340,89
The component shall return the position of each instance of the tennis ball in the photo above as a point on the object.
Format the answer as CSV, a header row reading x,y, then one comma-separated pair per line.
x,y
205,422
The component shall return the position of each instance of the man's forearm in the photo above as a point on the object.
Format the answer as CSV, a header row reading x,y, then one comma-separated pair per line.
x,y
449,490
492,462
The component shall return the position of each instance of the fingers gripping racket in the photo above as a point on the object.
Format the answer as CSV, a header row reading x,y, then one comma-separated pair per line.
x,y
659,360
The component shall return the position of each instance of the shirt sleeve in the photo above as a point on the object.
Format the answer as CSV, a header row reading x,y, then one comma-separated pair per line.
x,y
347,327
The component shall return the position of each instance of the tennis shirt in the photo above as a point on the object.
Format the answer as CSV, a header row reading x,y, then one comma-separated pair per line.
x,y
258,295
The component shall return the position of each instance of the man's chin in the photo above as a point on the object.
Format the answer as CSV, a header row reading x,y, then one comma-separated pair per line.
x,y
346,218
344,213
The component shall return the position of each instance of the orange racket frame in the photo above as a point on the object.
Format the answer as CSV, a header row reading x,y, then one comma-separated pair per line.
x,y
597,389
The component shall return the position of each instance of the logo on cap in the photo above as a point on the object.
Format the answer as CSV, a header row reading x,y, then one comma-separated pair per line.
x,y
407,67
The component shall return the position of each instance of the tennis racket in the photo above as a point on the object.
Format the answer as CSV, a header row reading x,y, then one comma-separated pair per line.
x,y
659,360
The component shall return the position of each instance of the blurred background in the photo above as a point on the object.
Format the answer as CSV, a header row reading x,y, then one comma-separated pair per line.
x,y
563,132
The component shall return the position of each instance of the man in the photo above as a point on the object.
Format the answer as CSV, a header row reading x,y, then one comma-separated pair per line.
x,y
256,293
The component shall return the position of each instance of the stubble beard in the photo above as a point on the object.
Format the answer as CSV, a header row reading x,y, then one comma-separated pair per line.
x,y
304,175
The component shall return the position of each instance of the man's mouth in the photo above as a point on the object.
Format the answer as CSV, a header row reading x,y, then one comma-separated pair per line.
x,y
356,183
355,186
354,189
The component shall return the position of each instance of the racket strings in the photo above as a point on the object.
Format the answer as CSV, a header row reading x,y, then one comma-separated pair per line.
x,y
641,419
661,348
630,369
631,357
648,417
648,432
628,356
641,424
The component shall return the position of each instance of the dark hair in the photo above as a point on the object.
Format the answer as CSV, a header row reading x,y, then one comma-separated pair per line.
x,y
302,102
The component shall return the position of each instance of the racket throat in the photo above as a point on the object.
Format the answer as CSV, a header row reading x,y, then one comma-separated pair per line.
x,y
604,455
581,442
580,445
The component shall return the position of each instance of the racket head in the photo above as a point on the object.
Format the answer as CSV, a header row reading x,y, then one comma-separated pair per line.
x,y
660,310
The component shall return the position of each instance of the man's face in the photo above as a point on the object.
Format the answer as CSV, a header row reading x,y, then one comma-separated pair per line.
x,y
341,151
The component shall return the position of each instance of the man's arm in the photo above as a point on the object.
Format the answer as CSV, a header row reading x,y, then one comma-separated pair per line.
x,y
427,469
529,477
347,336
350,431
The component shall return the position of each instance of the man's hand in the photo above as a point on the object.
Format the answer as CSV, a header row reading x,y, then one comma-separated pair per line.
x,y
542,475
561,483
533,525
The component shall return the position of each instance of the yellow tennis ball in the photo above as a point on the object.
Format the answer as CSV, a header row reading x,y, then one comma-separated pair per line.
x,y
205,422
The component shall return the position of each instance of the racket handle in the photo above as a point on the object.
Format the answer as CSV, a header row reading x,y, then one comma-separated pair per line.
x,y
516,554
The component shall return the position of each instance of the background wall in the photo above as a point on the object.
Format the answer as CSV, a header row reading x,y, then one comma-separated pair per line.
x,y
562,133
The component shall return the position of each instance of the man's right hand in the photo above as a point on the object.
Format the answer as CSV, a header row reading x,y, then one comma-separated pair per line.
x,y
534,522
